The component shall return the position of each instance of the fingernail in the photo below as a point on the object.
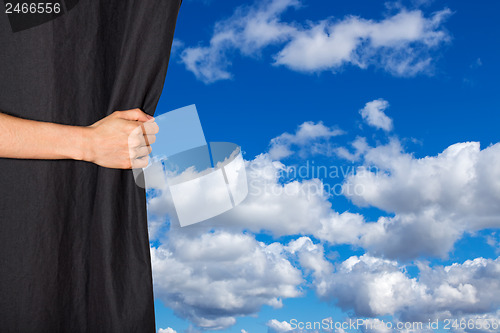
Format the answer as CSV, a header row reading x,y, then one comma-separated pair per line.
x,y
150,117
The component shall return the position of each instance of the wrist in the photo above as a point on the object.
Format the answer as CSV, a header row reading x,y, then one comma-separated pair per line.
x,y
83,148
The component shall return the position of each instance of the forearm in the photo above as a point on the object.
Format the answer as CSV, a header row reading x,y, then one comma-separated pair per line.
x,y
29,139
121,140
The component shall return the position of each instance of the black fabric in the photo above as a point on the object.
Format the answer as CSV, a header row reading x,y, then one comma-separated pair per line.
x,y
74,248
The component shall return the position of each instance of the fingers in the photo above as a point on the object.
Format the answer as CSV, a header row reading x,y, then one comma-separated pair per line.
x,y
147,128
140,152
138,139
150,127
133,115
139,157
109,140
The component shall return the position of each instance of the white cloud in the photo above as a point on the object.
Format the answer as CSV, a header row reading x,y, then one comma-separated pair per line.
x,y
248,30
212,278
400,44
431,202
310,138
298,207
373,114
435,199
373,287
278,326
167,330
294,207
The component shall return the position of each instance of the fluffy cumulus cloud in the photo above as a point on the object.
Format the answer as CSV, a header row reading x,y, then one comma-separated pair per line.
x,y
216,271
401,43
398,43
431,202
249,30
273,206
373,114
277,326
211,278
167,330
284,208
373,286
435,199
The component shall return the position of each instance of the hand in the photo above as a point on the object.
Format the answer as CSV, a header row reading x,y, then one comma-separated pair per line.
x,y
122,140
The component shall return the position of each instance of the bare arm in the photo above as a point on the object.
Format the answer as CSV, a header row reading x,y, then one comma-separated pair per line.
x,y
121,140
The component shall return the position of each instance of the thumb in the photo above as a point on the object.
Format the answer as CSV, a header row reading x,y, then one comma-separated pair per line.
x,y
134,115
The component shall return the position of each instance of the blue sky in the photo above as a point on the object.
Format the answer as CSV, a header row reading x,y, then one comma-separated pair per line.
x,y
404,88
